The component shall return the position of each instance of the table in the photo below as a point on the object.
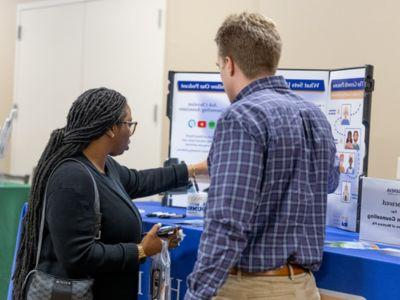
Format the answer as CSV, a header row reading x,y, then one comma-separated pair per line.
x,y
368,273
12,198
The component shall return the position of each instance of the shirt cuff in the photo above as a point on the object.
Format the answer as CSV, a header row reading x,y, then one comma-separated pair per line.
x,y
131,263
182,175
190,296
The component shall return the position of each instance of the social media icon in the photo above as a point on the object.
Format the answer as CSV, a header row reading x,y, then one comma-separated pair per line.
x,y
201,124
211,124
191,123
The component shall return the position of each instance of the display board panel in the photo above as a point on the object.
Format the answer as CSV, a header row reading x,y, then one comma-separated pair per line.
x,y
196,100
344,96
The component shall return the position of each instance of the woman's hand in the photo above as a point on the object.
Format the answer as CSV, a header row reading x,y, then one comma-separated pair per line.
x,y
174,239
151,243
200,168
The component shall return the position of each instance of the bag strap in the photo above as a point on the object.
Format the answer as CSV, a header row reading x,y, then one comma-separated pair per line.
x,y
97,227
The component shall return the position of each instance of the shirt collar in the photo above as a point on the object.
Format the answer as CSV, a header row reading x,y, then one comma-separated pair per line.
x,y
270,82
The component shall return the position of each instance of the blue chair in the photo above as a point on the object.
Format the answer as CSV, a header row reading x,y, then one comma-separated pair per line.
x,y
10,286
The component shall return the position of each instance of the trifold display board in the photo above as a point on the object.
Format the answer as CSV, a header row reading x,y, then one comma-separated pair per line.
x,y
196,100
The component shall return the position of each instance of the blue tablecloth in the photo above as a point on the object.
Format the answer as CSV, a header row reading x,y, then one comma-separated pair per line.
x,y
368,273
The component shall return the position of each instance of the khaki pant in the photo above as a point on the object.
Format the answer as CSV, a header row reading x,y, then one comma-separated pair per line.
x,y
241,287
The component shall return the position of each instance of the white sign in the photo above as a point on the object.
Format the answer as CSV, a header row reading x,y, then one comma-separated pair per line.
x,y
198,101
380,211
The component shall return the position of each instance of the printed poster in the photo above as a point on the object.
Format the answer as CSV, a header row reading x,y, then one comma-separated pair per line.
x,y
340,95
345,113
199,100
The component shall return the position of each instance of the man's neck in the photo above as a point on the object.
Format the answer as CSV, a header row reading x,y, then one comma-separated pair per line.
x,y
244,81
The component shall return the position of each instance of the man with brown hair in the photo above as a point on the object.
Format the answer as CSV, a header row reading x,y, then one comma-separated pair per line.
x,y
271,168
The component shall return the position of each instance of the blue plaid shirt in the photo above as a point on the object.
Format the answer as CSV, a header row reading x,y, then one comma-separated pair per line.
x,y
272,164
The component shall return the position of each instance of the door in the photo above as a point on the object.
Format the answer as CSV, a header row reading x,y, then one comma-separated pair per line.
x,y
47,78
67,47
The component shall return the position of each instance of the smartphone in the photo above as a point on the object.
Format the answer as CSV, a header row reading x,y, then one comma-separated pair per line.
x,y
166,231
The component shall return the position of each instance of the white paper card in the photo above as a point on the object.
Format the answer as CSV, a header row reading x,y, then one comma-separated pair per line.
x,y
380,211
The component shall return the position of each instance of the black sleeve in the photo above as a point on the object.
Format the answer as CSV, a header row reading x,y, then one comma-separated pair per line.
x,y
71,218
152,181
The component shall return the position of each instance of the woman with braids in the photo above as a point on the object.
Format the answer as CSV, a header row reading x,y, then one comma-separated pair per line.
x,y
99,125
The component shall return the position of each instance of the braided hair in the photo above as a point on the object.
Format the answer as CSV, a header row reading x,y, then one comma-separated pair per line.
x,y
90,116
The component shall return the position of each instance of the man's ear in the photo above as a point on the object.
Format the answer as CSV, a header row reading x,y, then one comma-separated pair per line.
x,y
110,133
230,65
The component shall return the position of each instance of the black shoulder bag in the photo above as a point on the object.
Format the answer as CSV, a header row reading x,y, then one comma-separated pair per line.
x,y
45,286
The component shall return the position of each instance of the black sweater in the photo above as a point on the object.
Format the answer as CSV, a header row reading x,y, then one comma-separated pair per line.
x,y
69,249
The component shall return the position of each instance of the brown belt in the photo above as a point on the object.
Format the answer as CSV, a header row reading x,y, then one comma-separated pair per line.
x,y
282,271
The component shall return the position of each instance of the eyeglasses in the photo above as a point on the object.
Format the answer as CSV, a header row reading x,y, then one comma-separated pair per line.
x,y
131,125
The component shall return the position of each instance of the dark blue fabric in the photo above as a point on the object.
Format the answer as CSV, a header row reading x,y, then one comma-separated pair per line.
x,y
367,273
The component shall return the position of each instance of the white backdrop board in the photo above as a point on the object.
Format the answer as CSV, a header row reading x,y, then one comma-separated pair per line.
x,y
196,100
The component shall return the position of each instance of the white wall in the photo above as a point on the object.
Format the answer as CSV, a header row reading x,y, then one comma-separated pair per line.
x,y
316,34
191,28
